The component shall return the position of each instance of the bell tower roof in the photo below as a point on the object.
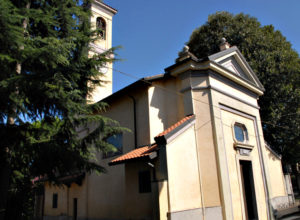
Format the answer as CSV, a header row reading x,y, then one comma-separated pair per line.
x,y
105,6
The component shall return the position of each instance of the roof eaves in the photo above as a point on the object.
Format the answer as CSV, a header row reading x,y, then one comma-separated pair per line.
x,y
143,81
251,70
141,158
272,151
234,74
140,153
168,69
222,53
111,9
170,133
215,56
121,91
155,77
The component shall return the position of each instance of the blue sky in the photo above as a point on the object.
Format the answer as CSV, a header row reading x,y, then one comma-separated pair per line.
x,y
152,32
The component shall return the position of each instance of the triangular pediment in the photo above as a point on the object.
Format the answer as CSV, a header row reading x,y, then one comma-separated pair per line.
x,y
231,64
232,60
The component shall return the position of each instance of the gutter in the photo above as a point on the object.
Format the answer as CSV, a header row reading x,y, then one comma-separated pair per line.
x,y
134,121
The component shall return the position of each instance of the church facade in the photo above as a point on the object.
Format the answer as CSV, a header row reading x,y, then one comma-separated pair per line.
x,y
195,151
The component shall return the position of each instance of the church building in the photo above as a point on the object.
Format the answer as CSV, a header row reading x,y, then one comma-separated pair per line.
x,y
195,151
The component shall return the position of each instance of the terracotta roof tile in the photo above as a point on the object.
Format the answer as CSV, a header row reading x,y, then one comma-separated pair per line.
x,y
147,150
168,130
136,153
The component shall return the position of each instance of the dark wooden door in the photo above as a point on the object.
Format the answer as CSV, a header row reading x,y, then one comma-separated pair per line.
x,y
248,190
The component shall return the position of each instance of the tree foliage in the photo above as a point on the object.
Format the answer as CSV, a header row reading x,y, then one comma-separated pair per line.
x,y
46,76
275,62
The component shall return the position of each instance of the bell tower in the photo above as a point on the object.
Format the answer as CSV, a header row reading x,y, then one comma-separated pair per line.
x,y
101,18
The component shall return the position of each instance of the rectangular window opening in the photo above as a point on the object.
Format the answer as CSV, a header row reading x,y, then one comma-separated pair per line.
x,y
54,200
144,182
117,141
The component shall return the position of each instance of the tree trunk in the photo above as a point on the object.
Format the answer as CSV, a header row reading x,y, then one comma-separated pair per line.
x,y
4,186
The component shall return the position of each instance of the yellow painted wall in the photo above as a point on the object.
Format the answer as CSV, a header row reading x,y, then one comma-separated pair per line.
x,y
230,96
163,200
106,194
65,200
137,205
224,87
228,120
276,175
122,111
165,107
183,175
79,192
61,200
205,143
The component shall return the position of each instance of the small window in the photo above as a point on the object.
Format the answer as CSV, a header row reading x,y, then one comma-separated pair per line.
x,y
54,200
101,27
117,141
240,132
144,182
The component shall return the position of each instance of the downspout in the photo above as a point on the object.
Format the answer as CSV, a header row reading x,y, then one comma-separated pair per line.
x,y
154,191
134,120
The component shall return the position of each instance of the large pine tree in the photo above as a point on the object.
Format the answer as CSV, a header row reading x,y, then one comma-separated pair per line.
x,y
46,75
275,62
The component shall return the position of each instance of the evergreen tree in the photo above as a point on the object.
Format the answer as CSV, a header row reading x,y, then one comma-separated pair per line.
x,y
46,76
277,66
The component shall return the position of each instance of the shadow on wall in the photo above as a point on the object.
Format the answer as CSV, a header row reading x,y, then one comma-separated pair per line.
x,y
167,103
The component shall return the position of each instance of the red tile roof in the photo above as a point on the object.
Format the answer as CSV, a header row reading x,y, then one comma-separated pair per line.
x,y
147,150
136,153
168,130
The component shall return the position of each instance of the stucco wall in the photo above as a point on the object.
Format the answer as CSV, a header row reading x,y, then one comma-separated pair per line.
x,y
163,200
65,200
224,85
205,142
183,175
165,105
233,160
61,200
105,89
226,94
108,192
105,194
122,110
276,175
137,205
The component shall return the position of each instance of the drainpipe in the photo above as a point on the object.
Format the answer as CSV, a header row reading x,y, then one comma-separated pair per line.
x,y
134,120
